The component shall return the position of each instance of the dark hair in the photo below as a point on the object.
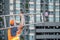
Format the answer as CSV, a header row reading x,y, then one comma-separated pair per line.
x,y
46,11
21,11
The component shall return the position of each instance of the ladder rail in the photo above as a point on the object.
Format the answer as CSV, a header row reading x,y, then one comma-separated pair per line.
x,y
18,14
17,26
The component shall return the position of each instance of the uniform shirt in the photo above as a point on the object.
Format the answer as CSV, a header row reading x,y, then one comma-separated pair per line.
x,y
13,34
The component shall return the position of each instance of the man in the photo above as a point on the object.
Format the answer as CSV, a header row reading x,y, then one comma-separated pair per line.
x,y
13,33
46,16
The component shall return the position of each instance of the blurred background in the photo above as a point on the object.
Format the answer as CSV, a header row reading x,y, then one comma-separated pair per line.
x,y
46,15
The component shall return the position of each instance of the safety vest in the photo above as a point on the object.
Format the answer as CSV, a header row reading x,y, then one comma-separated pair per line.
x,y
12,35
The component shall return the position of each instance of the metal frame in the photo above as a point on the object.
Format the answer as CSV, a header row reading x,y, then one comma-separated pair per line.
x,y
14,19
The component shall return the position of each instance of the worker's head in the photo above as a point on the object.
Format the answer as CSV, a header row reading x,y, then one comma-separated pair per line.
x,y
12,22
21,11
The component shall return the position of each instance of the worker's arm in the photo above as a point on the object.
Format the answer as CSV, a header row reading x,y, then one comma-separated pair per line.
x,y
20,28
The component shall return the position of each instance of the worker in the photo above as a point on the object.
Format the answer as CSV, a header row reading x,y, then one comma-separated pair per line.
x,y
13,33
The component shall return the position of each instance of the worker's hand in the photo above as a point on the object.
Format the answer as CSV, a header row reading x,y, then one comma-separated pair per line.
x,y
21,14
2,28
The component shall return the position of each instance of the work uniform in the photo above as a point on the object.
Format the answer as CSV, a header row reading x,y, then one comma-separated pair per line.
x,y
13,34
